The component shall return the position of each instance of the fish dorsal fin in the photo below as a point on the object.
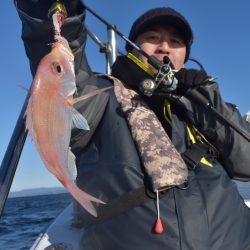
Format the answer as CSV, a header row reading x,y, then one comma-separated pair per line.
x,y
78,120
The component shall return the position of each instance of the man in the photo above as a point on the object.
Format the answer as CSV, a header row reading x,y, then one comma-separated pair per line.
x,y
204,210
160,37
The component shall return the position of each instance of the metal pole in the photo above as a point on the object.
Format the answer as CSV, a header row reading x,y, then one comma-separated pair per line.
x,y
111,48
103,48
108,48
12,156
102,45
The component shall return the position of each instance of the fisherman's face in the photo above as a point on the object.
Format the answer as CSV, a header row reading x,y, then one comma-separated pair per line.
x,y
161,41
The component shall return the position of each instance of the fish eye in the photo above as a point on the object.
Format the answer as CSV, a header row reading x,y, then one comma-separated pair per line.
x,y
57,68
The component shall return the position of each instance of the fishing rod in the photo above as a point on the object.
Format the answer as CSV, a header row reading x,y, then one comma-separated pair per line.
x,y
12,155
166,72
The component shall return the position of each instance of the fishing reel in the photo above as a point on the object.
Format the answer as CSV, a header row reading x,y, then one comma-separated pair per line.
x,y
164,80
142,78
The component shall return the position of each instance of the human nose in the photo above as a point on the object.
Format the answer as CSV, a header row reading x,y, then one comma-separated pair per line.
x,y
163,47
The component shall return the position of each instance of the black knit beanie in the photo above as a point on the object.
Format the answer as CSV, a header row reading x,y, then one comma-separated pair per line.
x,y
163,15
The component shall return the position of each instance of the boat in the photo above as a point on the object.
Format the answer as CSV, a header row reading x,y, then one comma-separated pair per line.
x,y
65,232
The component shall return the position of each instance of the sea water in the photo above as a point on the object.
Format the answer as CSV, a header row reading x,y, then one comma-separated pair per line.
x,y
24,218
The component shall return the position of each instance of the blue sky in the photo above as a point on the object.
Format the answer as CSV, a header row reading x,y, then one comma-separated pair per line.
x,y
221,44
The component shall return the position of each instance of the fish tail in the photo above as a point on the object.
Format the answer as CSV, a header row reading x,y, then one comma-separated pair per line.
x,y
84,199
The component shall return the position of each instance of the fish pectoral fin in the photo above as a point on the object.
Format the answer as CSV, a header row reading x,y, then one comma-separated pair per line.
x,y
79,121
72,165
86,96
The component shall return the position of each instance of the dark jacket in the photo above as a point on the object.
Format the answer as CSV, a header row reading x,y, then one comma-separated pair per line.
x,y
207,214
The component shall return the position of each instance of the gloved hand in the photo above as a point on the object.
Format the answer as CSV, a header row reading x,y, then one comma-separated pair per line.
x,y
190,78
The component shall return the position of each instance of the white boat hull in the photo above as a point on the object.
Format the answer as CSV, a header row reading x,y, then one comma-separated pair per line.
x,y
60,233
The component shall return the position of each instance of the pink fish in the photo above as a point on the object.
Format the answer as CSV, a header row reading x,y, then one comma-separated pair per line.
x,y
50,116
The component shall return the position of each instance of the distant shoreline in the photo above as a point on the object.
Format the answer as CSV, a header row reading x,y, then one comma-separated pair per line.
x,y
243,187
37,192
